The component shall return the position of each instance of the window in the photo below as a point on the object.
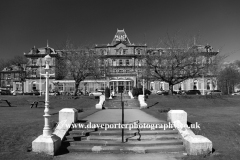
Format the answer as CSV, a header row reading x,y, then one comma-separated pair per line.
x,y
102,62
127,62
114,62
34,72
208,84
9,76
120,71
34,62
34,86
120,62
120,51
138,51
195,84
102,51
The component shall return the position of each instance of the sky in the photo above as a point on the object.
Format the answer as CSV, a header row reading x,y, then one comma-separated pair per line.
x,y
28,23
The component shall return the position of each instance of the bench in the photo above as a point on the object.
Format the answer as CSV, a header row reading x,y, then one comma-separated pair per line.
x,y
9,104
36,103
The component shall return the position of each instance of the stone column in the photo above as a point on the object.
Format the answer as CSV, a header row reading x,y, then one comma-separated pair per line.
x,y
211,85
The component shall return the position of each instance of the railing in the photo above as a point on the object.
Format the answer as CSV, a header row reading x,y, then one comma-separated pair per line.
x,y
135,134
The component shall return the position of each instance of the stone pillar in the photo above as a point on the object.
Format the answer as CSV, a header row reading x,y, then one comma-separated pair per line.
x,y
211,85
129,88
68,115
117,86
174,115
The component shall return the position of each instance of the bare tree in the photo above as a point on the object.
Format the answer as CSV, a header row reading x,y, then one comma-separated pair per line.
x,y
81,63
229,77
177,62
16,60
3,64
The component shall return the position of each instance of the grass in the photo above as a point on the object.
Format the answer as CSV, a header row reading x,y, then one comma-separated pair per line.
x,y
219,119
20,124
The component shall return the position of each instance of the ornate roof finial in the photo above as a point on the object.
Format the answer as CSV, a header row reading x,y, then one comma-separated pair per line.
x,y
47,43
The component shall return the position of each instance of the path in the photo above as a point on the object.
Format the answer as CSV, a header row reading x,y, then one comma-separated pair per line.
x,y
115,115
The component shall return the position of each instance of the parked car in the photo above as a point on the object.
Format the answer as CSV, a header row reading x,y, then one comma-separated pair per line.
x,y
4,91
192,92
96,93
214,92
181,92
236,93
162,92
35,92
146,91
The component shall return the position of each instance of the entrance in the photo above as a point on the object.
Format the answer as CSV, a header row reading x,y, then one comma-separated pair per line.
x,y
120,89
121,85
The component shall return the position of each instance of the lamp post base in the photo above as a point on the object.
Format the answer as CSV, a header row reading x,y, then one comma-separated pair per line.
x,y
46,144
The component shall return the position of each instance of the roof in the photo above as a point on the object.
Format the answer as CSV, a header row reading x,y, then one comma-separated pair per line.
x,y
120,36
12,68
41,51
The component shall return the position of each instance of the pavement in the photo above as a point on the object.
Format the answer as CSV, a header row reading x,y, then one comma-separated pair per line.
x,y
115,116
122,156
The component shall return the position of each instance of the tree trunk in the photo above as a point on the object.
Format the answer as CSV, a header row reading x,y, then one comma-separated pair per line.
x,y
228,86
22,88
76,88
170,89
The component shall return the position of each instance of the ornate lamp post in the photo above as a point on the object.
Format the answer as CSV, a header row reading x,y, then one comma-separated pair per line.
x,y
40,87
47,142
143,87
47,129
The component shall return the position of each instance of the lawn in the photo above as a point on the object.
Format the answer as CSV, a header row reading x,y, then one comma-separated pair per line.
x,y
219,119
20,124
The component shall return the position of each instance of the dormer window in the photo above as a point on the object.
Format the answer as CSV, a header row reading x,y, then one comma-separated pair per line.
x,y
138,51
34,62
103,52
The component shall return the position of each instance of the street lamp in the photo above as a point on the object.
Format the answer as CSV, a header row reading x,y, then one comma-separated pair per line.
x,y
40,76
47,131
47,142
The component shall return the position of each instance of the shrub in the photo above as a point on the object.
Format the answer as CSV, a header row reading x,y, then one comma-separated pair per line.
x,y
135,92
107,92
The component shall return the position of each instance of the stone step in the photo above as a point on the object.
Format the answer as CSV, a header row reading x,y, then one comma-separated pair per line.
x,y
129,143
127,149
118,129
109,126
117,132
116,103
70,138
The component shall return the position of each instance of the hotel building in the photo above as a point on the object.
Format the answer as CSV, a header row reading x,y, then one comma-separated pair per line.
x,y
121,64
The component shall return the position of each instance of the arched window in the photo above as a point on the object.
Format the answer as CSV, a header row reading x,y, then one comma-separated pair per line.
x,y
195,84
208,84
138,51
34,85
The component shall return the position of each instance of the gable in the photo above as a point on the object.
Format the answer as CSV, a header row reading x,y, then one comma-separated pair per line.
x,y
120,37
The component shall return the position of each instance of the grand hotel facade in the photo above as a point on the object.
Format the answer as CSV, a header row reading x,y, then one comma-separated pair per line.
x,y
124,69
